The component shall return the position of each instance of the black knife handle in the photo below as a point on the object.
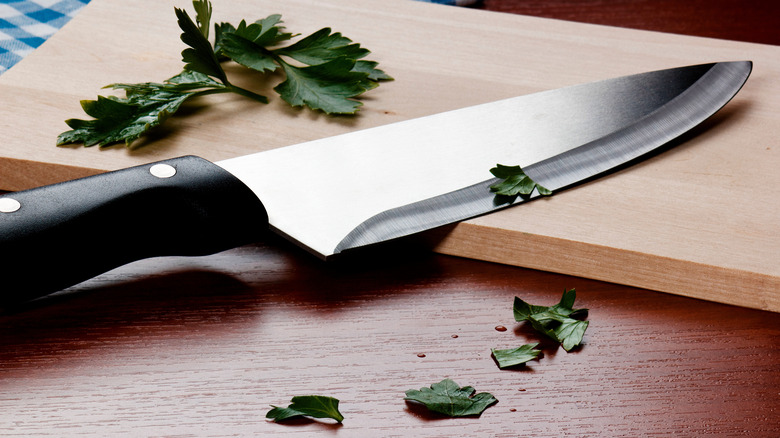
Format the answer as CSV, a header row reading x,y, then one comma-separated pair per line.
x,y
63,234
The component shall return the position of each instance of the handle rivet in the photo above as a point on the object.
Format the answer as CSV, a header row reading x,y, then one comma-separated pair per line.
x,y
162,170
9,205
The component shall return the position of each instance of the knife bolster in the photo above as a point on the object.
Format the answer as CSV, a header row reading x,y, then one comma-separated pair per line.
x,y
63,234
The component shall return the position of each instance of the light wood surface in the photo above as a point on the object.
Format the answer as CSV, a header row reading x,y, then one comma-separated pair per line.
x,y
200,347
700,220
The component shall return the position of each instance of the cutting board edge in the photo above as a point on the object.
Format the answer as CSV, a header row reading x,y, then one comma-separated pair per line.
x,y
661,274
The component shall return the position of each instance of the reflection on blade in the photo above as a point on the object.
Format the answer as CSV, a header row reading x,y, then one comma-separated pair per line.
x,y
691,107
698,92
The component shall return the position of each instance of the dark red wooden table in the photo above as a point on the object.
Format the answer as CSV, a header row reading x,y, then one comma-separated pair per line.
x,y
752,20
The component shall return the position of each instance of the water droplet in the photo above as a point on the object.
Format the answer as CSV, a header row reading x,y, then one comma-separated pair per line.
x,y
500,328
420,354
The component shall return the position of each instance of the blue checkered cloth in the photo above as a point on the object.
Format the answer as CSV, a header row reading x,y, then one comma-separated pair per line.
x,y
26,24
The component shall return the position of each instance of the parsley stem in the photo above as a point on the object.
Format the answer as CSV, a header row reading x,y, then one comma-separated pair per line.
x,y
249,94
230,88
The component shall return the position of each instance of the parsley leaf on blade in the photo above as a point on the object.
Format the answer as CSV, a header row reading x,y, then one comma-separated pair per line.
x,y
556,322
447,398
515,182
316,406
515,356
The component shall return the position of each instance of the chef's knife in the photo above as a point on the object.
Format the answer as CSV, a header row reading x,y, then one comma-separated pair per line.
x,y
352,190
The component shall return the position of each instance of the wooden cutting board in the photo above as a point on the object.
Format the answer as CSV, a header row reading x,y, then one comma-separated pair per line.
x,y
701,220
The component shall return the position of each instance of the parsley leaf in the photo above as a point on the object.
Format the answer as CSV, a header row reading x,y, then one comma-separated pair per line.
x,y
220,30
515,356
447,398
374,74
265,32
327,87
323,46
332,74
199,57
516,182
556,322
146,106
239,47
271,31
316,406
202,16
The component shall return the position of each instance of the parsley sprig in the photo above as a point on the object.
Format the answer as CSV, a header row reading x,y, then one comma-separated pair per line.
x,y
324,71
559,322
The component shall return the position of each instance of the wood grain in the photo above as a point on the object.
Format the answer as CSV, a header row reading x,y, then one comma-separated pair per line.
x,y
201,347
753,21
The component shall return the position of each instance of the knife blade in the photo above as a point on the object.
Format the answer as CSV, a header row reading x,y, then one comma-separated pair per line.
x,y
352,190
